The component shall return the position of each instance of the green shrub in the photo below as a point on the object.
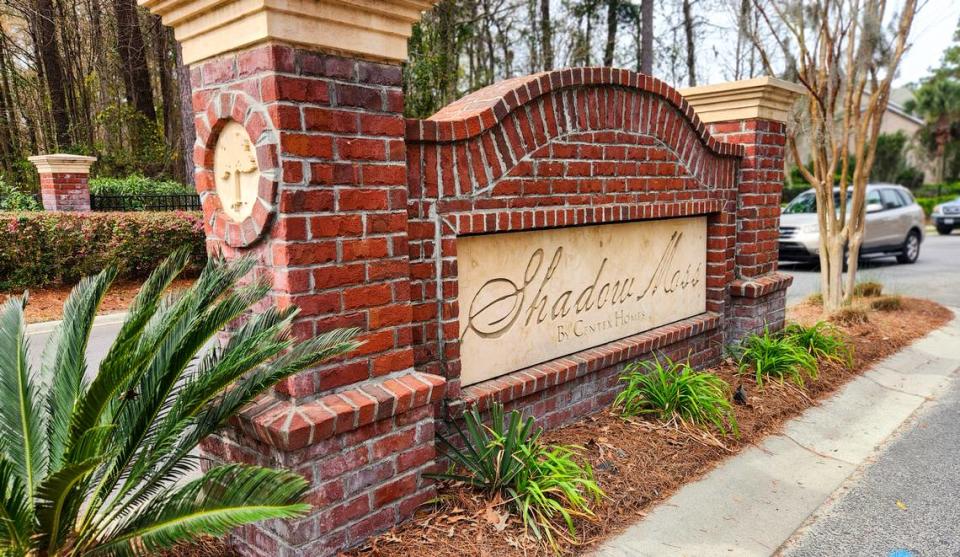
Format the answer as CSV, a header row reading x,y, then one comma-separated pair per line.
x,y
822,341
928,203
951,189
887,303
675,391
106,465
868,289
42,248
136,184
776,356
541,483
13,199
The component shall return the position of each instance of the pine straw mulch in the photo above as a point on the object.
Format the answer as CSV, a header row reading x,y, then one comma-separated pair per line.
x,y
46,304
639,463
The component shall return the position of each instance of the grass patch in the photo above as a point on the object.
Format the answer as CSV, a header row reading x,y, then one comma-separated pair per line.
x,y
822,341
868,289
776,356
887,303
676,392
815,299
850,315
542,483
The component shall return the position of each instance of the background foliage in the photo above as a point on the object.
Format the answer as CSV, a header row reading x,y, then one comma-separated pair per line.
x,y
138,184
42,248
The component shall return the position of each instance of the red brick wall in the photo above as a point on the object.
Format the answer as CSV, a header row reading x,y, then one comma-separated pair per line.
x,y
758,297
329,232
357,222
336,240
570,147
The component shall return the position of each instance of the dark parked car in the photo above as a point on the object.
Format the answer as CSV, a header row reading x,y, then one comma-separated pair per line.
x,y
946,216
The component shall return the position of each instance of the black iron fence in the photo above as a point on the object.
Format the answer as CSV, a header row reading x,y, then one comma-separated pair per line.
x,y
145,202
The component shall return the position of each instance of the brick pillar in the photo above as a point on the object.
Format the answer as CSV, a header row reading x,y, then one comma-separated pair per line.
x,y
324,211
753,113
64,181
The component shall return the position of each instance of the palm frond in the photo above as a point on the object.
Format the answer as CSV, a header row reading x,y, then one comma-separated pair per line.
x,y
226,497
21,413
65,359
16,514
58,500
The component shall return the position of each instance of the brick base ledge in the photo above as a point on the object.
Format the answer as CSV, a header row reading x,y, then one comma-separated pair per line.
x,y
525,382
760,286
288,426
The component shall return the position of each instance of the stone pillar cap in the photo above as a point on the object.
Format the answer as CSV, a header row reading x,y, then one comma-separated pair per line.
x,y
63,163
766,98
372,29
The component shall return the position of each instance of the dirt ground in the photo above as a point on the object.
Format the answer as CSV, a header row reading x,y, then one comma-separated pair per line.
x,y
639,462
46,304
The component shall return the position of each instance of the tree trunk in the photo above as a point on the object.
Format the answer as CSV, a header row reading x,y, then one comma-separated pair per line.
x,y
133,58
189,133
8,135
613,7
646,62
691,54
533,37
546,36
46,38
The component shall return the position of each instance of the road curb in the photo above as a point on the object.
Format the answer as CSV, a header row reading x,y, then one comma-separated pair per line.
x,y
100,320
756,500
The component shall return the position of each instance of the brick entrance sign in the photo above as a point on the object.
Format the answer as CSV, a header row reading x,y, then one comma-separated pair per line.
x,y
521,245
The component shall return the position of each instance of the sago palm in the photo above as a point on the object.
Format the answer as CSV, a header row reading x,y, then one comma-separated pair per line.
x,y
105,463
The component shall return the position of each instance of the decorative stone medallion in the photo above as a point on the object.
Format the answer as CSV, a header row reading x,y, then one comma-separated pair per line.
x,y
236,172
237,169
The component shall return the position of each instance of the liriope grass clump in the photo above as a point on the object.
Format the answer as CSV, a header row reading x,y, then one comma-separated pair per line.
x,y
675,392
887,303
543,484
868,289
822,341
775,356
850,315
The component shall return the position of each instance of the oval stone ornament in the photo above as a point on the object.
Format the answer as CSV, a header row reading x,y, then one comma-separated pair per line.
x,y
236,172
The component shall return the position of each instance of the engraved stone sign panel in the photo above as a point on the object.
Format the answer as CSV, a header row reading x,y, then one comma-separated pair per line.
x,y
530,297
237,174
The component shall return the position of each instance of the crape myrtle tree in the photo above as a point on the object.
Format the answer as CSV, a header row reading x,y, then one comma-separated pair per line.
x,y
845,54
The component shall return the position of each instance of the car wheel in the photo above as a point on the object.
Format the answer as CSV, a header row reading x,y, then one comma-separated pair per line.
x,y
911,248
944,230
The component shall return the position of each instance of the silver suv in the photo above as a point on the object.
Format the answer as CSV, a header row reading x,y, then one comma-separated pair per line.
x,y
894,225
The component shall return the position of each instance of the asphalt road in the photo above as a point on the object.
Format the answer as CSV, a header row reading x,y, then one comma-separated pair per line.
x,y
105,329
905,503
935,275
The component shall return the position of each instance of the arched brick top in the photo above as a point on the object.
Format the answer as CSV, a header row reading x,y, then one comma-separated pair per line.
x,y
484,109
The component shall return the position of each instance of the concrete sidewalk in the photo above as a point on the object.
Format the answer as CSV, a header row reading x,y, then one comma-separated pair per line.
x,y
755,501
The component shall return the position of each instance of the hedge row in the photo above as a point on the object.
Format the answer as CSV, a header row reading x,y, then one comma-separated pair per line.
x,y
43,248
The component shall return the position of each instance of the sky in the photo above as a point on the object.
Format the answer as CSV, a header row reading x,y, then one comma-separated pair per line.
x,y
932,32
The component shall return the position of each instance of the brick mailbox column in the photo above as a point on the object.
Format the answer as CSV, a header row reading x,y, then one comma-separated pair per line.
x,y
753,113
64,181
301,163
